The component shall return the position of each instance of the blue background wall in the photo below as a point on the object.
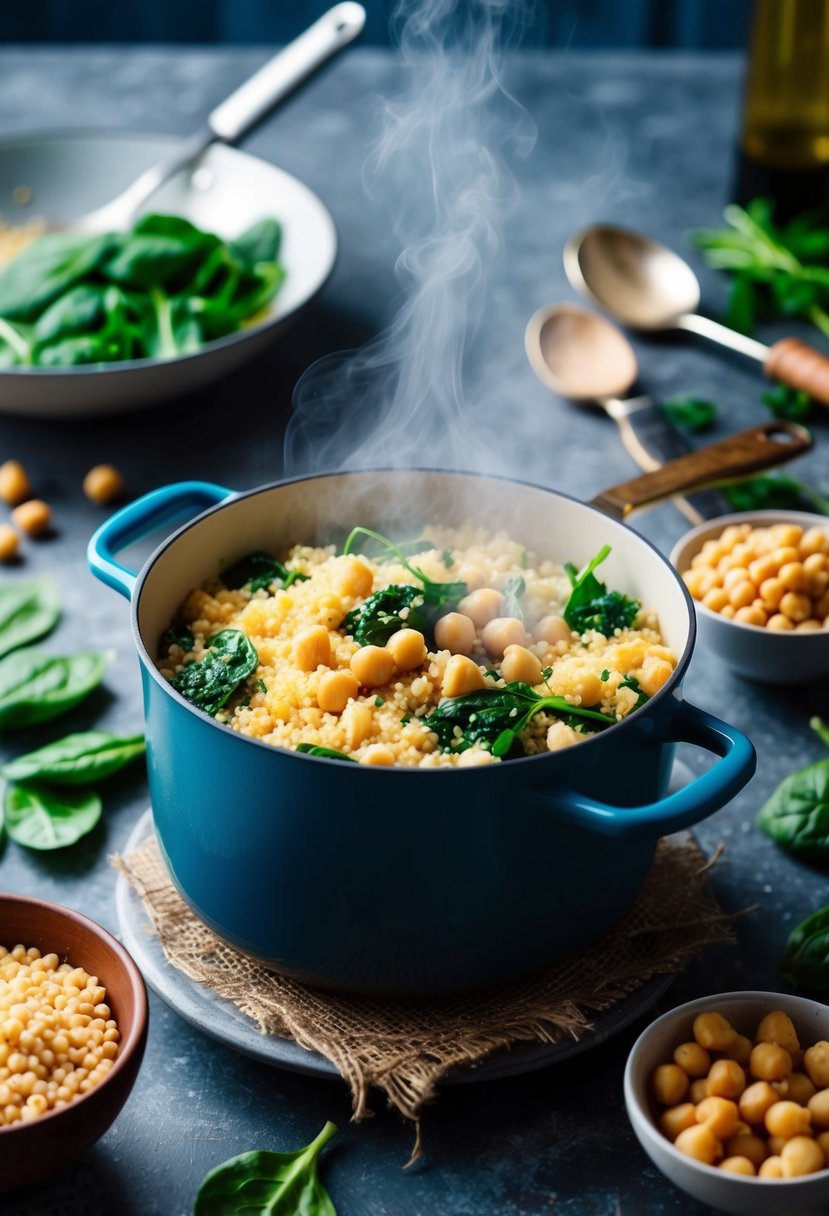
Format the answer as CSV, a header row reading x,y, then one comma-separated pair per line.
x,y
577,23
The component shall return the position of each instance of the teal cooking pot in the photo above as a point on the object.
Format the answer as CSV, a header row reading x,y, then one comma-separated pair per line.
x,y
402,880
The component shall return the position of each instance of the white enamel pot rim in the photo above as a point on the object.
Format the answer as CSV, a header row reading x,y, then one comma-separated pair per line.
x,y
668,690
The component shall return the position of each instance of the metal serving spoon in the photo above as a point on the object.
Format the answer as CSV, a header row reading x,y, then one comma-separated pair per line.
x,y
584,357
648,286
237,114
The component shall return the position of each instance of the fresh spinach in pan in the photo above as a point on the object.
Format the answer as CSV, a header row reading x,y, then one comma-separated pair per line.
x,y
75,760
592,606
230,658
163,289
28,610
259,570
35,687
47,819
268,1184
178,635
497,716
796,816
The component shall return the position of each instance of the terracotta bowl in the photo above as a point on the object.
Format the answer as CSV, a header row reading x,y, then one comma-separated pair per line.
x,y
30,1151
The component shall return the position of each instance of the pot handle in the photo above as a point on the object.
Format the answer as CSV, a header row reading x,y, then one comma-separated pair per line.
x,y
696,801
140,517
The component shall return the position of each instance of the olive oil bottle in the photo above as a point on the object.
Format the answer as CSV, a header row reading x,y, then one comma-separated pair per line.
x,y
784,148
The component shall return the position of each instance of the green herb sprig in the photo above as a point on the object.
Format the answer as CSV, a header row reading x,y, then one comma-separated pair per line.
x,y
592,606
796,816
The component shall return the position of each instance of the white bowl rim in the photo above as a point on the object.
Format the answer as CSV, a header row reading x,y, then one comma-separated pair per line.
x,y
720,522
703,1004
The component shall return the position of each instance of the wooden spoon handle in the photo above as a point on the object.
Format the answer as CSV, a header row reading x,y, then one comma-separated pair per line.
x,y
760,447
794,363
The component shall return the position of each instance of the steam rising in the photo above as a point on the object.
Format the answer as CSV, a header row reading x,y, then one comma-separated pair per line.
x,y
400,398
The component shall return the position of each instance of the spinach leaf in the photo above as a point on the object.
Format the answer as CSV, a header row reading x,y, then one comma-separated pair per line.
x,y
495,717
592,606
514,589
796,815
375,620
35,687
46,269
268,1184
178,635
311,749
208,683
791,403
632,683
159,250
76,759
691,413
45,820
259,570
805,961
259,243
80,309
773,491
28,610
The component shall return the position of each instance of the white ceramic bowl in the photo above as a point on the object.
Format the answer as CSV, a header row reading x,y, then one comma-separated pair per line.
x,y
765,655
807,1196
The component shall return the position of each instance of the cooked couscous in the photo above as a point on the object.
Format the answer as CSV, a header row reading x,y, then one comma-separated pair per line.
x,y
457,655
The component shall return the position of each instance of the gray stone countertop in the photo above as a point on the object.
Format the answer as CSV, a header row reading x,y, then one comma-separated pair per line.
x,y
645,140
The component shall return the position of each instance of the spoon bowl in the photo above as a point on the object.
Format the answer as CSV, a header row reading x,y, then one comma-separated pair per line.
x,y
639,281
579,354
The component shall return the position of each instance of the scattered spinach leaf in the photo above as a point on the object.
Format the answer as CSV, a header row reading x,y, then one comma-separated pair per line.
x,y
592,606
691,413
604,676
805,961
378,617
179,635
259,570
437,594
379,701
331,753
791,403
28,610
514,589
230,658
796,816
774,491
495,717
75,760
35,687
632,683
268,1184
46,819
261,685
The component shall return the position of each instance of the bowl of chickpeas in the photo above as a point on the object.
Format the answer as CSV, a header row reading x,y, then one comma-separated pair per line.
x,y
73,1025
760,585
729,1096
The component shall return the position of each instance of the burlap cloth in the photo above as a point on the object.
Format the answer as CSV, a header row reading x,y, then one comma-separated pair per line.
x,y
405,1048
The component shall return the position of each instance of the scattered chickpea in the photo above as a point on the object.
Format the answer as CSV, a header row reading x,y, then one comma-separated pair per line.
x,y
693,1059
32,517
335,690
801,1155
9,542
777,1027
103,483
720,1115
373,666
726,1079
772,1167
677,1118
482,606
461,676
455,633
713,1032
738,1165
519,663
501,632
787,1119
552,629
14,483
312,648
408,649
670,1084
700,1143
769,1062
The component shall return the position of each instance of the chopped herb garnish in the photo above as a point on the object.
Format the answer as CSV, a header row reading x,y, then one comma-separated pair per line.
x,y
330,753
378,701
243,704
592,606
632,683
605,675
447,558
405,720
261,685
493,671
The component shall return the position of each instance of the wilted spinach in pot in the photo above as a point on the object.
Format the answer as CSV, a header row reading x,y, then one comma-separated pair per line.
x,y
592,606
230,658
259,570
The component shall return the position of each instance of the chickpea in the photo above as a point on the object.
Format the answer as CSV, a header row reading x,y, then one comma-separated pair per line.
x,y
9,542
751,615
716,599
818,1105
693,581
816,584
353,577
796,606
482,606
552,629
762,568
456,633
373,666
378,754
741,595
408,649
793,576
755,1100
738,1165
720,1115
676,1118
801,1090
801,1155
810,626
519,663
728,612
461,676
746,1144
14,483
312,648
700,1143
335,690
823,1140
698,1091
692,1059
103,483
655,673
787,1119
780,623
726,1079
739,1050
713,1032
778,1028
771,593
786,534
670,1084
772,1167
501,632
32,517
770,1062
816,540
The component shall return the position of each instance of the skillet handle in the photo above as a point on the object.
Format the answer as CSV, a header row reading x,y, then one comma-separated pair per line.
x,y
138,518
704,795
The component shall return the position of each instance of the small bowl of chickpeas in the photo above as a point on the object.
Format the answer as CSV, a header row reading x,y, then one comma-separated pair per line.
x,y
73,1025
729,1096
760,585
